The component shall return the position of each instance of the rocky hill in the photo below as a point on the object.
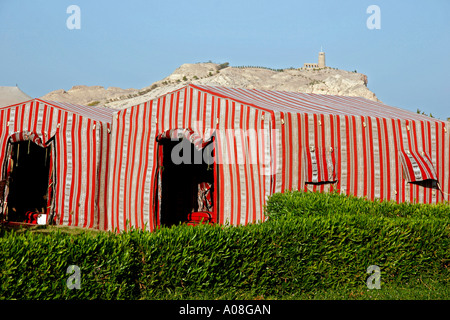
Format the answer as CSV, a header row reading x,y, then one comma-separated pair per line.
x,y
324,81
89,95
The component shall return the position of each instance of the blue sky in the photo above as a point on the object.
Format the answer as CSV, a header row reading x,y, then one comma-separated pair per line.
x,y
130,44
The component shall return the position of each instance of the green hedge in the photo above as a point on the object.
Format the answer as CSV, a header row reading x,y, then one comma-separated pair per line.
x,y
310,242
316,203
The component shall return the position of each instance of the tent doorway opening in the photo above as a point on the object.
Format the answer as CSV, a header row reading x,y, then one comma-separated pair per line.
x,y
187,183
28,175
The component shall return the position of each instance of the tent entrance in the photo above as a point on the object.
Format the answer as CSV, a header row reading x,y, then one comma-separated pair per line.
x,y
28,171
186,182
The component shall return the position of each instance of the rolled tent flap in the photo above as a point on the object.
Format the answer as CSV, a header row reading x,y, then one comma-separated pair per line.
x,y
21,136
320,165
195,138
417,166
28,136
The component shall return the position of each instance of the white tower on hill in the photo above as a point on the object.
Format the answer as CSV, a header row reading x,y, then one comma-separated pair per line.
x,y
321,59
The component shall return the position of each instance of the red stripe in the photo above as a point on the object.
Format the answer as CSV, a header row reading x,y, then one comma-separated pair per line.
x,y
185,105
153,212
257,164
143,149
388,157
120,138
316,138
36,116
349,160
221,174
324,156
415,188
215,196
158,117
430,153
290,169
440,143
107,186
149,107
62,120
213,116
380,158
283,154
133,145
177,108
19,123
250,165
126,198
45,122
307,146
230,161
171,113
263,176
425,148
339,156
161,119
50,121
238,176
364,147
28,125
80,170
199,107
104,180
355,158
3,135
332,144
397,135
191,98
88,175
74,164
411,133
300,155
95,213
115,178
245,151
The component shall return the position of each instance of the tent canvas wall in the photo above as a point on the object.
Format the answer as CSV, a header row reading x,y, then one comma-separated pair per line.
x,y
269,141
78,139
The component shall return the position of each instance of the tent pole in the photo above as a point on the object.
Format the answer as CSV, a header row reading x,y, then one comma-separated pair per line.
x,y
18,151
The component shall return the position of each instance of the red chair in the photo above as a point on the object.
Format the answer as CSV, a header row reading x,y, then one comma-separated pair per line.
x,y
200,217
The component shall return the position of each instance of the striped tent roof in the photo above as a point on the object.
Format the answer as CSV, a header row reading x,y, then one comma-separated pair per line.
x,y
298,102
101,114
12,95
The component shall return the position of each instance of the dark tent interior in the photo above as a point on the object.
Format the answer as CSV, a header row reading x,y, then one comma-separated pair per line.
x,y
28,180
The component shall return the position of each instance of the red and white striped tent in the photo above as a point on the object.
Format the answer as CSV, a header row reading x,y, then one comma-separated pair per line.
x,y
79,140
272,141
